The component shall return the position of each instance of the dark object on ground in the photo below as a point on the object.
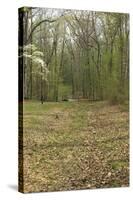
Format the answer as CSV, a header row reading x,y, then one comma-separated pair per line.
x,y
57,116
64,99
42,99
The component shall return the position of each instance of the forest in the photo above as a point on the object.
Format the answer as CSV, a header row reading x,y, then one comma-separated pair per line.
x,y
71,54
73,99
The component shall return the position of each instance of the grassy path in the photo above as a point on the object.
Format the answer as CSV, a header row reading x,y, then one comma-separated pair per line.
x,y
75,145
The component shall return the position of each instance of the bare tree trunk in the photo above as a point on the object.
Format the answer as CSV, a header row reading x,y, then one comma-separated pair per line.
x,y
31,60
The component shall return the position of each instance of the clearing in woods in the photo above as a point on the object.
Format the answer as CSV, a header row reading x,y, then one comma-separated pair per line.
x,y
75,145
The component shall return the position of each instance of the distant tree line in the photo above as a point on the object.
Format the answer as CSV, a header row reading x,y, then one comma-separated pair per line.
x,y
75,54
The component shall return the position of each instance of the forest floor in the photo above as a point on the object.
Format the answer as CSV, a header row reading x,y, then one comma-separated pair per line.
x,y
75,145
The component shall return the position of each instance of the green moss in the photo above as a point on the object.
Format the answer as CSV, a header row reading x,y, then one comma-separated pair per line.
x,y
119,164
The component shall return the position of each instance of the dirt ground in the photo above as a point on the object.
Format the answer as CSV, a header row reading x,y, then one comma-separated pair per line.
x,y
75,145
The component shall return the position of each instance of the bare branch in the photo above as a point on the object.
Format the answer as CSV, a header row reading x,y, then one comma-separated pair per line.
x,y
38,24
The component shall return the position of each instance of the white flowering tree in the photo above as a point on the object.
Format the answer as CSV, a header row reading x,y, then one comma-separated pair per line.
x,y
33,57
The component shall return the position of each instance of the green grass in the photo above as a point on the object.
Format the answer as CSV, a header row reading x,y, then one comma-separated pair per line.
x,y
74,145
119,164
